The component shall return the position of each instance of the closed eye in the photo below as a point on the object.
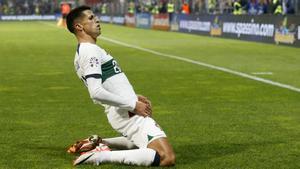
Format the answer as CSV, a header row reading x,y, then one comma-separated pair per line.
x,y
91,17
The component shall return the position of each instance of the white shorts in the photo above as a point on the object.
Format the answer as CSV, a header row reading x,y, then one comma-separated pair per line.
x,y
140,130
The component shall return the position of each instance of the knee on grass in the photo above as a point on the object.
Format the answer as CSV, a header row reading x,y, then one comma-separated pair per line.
x,y
167,159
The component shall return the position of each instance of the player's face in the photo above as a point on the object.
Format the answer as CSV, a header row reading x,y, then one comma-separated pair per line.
x,y
91,24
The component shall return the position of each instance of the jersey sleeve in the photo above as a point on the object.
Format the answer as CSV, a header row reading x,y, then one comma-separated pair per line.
x,y
98,93
91,62
92,75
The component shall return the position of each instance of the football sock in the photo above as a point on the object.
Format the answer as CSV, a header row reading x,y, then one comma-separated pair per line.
x,y
120,143
139,157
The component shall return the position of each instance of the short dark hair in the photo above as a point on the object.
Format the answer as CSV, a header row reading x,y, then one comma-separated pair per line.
x,y
73,15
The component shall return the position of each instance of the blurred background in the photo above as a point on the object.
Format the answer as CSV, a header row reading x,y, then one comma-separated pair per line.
x,y
251,7
228,98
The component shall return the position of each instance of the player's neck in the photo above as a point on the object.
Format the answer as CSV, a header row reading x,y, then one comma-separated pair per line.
x,y
86,39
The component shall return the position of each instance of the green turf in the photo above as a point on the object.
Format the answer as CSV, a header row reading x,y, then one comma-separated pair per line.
x,y
213,119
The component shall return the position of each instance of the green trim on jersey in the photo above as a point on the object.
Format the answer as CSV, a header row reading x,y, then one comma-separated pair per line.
x,y
109,69
149,137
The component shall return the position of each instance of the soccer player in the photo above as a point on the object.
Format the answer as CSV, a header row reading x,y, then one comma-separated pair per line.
x,y
127,113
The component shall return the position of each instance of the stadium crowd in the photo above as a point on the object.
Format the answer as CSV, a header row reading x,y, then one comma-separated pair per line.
x,y
236,7
28,7
252,7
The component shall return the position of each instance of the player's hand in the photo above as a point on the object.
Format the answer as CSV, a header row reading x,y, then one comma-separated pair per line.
x,y
142,109
145,100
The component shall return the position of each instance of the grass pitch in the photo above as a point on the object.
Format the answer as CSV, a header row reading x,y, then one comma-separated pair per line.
x,y
213,119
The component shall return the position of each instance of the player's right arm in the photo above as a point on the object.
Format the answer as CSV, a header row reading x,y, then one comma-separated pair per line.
x,y
92,75
98,93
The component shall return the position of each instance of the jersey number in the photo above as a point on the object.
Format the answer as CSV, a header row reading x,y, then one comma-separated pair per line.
x,y
116,67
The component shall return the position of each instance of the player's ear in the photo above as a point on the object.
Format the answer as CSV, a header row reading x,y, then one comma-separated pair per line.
x,y
78,27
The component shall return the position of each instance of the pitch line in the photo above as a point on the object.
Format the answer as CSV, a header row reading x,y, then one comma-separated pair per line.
x,y
262,73
270,82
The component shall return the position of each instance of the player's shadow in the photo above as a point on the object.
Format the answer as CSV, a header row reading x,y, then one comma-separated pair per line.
x,y
195,153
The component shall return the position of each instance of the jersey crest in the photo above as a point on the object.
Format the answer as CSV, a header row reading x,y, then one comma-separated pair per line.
x,y
94,62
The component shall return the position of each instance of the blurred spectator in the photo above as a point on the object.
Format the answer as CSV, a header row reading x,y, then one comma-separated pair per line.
x,y
138,8
262,7
171,10
162,7
103,10
185,8
277,7
154,8
221,4
212,6
237,7
199,6
288,7
228,6
252,7
5,9
171,7
122,6
131,7
65,10
27,7
11,9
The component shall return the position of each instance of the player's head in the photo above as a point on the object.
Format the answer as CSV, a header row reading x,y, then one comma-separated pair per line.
x,y
83,20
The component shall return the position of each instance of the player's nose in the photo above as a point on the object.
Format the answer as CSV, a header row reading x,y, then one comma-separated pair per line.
x,y
97,19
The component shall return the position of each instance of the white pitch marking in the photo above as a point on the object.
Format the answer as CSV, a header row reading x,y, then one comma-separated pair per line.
x,y
262,73
270,82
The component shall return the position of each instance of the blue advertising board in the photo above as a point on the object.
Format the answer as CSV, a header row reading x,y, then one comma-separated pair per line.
x,y
194,24
120,20
27,17
143,20
105,19
264,28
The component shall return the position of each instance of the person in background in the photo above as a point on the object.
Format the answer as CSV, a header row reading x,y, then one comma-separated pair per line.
x,y
185,8
237,7
103,8
170,9
131,7
65,10
262,7
252,7
212,6
277,7
288,7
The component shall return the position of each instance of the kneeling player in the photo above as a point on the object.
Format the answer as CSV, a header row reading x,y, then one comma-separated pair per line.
x,y
108,85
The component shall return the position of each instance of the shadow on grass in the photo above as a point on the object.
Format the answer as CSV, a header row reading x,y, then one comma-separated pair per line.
x,y
186,154
200,153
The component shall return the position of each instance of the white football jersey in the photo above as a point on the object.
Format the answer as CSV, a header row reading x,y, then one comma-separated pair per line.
x,y
109,87
91,61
